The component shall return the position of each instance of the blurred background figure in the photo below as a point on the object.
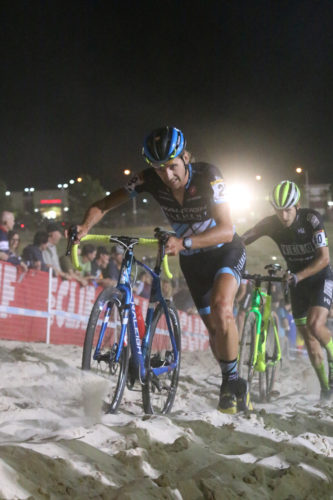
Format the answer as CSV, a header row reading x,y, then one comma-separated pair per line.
x,y
50,254
98,265
183,300
13,255
88,254
33,254
7,221
112,270
143,284
167,288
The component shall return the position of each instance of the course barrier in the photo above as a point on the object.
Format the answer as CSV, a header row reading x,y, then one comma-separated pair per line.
x,y
36,307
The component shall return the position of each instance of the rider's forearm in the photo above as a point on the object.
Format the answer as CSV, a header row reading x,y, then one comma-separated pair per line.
x,y
317,265
98,209
249,236
213,236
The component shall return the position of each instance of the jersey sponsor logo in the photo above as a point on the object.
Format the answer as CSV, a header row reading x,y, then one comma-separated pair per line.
x,y
319,239
185,214
301,230
313,219
136,180
218,187
300,249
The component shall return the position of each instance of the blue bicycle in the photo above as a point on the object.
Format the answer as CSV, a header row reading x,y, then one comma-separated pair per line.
x,y
113,347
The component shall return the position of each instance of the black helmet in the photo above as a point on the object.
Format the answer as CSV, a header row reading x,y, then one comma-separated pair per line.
x,y
163,144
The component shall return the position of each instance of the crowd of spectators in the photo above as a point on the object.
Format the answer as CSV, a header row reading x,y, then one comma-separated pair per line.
x,y
101,267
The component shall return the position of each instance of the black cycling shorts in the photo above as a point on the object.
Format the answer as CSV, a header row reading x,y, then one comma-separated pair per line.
x,y
316,290
201,269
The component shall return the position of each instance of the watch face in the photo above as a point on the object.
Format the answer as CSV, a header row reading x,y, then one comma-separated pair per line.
x,y
187,243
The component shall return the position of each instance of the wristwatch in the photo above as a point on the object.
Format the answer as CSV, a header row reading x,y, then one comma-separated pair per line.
x,y
187,243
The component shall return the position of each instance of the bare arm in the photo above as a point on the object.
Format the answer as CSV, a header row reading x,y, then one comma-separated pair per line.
x,y
98,209
322,260
221,233
250,236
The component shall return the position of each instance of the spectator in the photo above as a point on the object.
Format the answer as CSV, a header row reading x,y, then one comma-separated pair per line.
x,y
33,254
113,268
50,254
88,254
99,264
7,221
167,288
13,257
183,300
143,285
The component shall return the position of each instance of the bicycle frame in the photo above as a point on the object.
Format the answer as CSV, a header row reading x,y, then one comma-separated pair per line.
x,y
129,319
262,324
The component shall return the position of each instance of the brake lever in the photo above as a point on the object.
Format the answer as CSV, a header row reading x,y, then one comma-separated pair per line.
x,y
72,235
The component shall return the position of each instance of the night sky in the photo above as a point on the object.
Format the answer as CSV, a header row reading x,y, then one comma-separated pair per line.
x,y
249,83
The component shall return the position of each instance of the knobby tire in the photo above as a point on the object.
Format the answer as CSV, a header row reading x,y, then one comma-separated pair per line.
x,y
109,301
158,393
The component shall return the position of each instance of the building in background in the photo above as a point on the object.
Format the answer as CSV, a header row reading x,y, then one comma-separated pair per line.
x,y
50,204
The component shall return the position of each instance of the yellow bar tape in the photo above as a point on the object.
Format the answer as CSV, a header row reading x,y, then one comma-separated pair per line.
x,y
102,238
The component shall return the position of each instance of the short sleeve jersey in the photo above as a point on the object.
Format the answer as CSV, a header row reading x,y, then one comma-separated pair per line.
x,y
204,189
297,243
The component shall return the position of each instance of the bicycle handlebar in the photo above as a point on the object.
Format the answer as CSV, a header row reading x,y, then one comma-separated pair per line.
x,y
102,238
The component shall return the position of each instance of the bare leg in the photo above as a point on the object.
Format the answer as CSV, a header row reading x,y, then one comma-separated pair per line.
x,y
221,325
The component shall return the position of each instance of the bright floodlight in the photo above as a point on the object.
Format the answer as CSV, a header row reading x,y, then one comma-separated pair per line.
x,y
299,170
7,193
239,197
258,177
127,171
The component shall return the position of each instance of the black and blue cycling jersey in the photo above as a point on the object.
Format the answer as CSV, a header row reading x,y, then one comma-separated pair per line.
x,y
204,189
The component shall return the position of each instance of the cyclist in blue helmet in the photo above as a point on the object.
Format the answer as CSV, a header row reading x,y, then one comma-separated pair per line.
x,y
212,256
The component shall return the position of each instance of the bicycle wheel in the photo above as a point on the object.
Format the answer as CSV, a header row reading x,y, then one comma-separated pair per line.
x,y
104,326
158,392
246,348
272,350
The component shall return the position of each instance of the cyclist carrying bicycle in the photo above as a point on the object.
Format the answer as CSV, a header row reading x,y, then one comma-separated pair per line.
x,y
301,238
212,256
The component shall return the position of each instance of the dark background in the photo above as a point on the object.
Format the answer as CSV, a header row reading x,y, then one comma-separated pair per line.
x,y
249,83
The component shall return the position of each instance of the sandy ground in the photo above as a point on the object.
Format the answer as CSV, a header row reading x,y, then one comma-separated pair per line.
x,y
55,443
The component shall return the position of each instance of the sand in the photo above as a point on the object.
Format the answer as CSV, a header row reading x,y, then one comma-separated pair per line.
x,y
56,444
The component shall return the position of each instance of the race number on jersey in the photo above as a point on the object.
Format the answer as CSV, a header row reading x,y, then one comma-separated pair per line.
x,y
218,187
320,239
